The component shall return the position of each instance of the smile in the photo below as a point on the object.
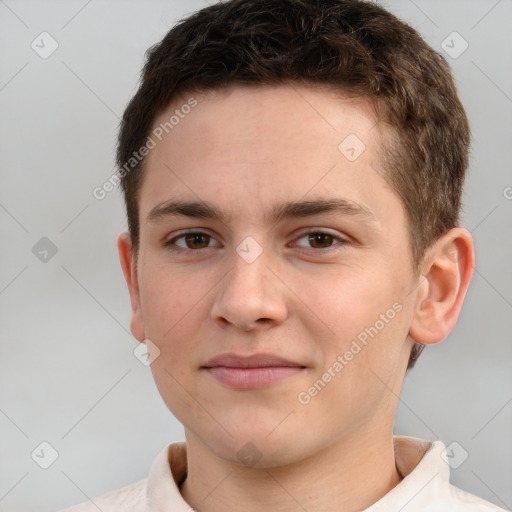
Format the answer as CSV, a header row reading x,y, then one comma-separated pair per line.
x,y
251,371
247,378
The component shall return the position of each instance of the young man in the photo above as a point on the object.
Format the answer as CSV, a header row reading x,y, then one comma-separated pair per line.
x,y
293,171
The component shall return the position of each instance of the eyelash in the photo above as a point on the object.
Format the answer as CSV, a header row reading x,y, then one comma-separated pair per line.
x,y
170,244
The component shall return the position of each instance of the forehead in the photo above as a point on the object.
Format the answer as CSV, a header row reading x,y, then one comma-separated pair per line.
x,y
247,149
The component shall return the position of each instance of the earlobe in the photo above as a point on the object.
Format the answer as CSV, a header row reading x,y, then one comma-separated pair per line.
x,y
128,262
446,274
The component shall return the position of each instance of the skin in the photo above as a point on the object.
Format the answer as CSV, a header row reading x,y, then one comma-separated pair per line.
x,y
244,150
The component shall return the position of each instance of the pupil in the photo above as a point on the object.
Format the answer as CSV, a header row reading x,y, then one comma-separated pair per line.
x,y
323,239
197,238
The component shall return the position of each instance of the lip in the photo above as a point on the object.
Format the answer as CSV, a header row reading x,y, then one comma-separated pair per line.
x,y
254,371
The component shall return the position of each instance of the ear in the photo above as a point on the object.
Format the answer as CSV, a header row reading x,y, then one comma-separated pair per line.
x,y
128,261
446,272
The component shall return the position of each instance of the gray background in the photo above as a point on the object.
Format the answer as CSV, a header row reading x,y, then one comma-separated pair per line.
x,y
68,374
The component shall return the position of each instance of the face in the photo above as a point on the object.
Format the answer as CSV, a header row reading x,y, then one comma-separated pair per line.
x,y
293,262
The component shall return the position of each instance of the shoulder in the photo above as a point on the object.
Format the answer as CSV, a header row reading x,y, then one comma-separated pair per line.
x,y
132,497
467,502
426,484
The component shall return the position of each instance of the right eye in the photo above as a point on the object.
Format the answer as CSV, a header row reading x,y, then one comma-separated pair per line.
x,y
192,240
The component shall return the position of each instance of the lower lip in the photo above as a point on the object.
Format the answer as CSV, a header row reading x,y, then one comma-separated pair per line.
x,y
246,378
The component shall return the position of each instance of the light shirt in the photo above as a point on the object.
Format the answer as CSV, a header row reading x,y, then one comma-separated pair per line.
x,y
422,464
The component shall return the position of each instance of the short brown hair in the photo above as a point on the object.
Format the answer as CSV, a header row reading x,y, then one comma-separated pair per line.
x,y
352,46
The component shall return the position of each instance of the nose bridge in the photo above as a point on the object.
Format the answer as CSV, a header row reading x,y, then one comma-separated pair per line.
x,y
250,269
250,291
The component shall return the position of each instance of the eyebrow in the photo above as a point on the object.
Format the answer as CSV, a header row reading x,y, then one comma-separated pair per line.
x,y
288,210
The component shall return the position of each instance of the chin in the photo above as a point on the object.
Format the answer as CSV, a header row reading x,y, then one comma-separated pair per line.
x,y
255,448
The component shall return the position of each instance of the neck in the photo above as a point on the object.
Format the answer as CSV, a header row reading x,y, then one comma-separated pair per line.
x,y
349,475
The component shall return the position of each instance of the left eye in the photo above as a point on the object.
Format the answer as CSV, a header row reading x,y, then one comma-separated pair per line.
x,y
319,240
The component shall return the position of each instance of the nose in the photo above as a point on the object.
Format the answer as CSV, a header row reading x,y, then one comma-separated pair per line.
x,y
251,295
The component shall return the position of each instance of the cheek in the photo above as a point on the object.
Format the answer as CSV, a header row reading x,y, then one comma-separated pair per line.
x,y
347,299
174,314
174,310
365,315
168,296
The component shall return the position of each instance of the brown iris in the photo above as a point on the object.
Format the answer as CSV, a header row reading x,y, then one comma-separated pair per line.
x,y
197,240
320,240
